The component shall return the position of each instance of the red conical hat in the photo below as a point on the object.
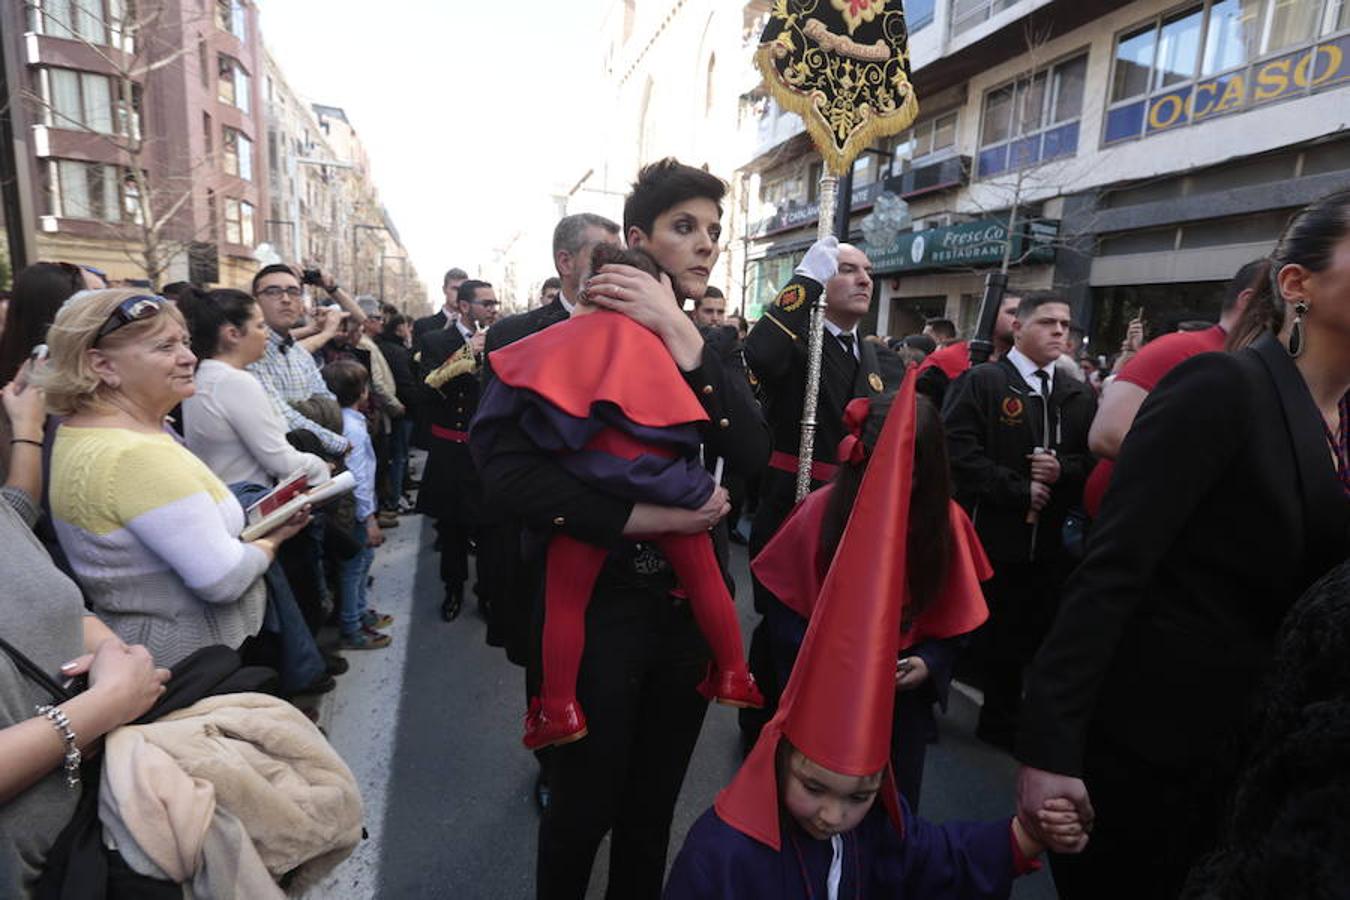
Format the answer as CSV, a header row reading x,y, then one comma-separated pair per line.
x,y
838,704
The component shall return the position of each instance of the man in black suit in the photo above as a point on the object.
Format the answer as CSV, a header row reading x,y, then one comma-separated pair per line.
x,y
1017,439
776,354
449,362
446,314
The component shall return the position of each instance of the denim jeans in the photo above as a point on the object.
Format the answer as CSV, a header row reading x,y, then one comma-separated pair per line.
x,y
399,437
352,582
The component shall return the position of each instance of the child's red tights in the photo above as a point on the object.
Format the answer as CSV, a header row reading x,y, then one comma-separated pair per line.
x,y
573,567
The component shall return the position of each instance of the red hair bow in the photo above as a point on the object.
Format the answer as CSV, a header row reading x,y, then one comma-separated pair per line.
x,y
851,448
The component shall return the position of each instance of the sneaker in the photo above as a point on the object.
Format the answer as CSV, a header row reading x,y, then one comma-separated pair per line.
x,y
387,519
366,639
374,620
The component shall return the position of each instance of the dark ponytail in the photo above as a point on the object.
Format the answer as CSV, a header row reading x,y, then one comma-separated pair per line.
x,y
207,313
1308,240
930,538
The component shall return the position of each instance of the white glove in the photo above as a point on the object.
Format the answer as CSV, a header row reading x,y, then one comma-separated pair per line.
x,y
821,262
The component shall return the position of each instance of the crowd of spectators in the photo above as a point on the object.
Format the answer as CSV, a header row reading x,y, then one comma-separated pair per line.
x,y
138,429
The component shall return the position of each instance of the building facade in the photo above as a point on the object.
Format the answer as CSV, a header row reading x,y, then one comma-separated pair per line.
x,y
142,128
1130,154
157,141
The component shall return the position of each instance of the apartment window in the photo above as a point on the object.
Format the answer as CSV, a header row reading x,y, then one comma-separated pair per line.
x,y
238,222
234,84
78,100
932,137
203,62
82,190
966,14
1223,56
236,153
208,136
1032,120
918,14
91,21
231,17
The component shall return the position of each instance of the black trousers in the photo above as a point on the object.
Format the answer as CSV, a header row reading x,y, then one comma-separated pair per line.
x,y
1153,824
1022,600
644,656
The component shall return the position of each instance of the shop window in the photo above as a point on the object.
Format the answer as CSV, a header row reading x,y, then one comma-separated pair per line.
x,y
1250,229
1220,57
1033,120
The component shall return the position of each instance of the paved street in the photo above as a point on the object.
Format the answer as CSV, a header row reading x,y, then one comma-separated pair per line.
x,y
431,728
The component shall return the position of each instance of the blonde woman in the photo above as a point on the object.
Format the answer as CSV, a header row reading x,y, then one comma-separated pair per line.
x,y
151,533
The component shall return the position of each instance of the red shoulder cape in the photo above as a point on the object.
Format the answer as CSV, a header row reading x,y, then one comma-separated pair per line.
x,y
601,357
790,567
952,359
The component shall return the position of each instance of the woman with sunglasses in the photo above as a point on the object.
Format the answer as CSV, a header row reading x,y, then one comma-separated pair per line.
x,y
151,533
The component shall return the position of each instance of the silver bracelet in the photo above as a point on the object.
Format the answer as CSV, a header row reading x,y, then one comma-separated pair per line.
x,y
62,726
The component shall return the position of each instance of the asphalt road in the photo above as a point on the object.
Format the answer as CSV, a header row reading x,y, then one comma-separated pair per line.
x,y
431,728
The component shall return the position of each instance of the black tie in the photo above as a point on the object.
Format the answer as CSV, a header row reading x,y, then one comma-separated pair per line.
x,y
846,340
1044,377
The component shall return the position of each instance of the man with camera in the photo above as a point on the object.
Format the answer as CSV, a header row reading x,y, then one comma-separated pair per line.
x,y
287,368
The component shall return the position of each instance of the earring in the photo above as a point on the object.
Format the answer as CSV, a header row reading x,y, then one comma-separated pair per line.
x,y
1296,338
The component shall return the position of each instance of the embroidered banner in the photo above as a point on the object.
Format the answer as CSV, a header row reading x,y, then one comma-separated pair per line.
x,y
843,66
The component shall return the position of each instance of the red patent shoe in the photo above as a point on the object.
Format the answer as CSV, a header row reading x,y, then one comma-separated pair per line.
x,y
549,724
731,688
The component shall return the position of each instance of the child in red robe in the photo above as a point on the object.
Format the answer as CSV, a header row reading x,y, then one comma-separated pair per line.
x,y
602,392
801,818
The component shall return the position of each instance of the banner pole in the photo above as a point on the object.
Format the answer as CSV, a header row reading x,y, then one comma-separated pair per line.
x,y
829,187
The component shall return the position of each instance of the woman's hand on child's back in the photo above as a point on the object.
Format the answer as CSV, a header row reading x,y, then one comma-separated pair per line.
x,y
647,520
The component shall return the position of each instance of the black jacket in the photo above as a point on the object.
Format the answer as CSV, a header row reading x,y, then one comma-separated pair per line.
x,y
1224,507
450,486
776,354
993,420
434,322
400,361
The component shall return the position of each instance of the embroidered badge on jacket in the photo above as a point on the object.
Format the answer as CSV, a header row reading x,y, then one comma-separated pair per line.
x,y
790,298
1012,410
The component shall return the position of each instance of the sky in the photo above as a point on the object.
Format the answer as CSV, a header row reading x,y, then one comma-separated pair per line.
x,y
457,103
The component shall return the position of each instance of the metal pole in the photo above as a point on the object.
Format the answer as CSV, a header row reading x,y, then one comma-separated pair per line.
x,y
829,186
982,344
13,166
